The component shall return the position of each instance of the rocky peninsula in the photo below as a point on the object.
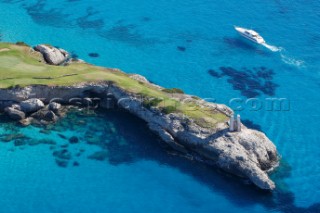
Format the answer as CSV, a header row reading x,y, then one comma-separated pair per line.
x,y
31,89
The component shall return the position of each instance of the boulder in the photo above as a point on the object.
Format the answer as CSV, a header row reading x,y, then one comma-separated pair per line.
x,y
46,115
139,78
15,114
4,104
50,116
16,106
26,121
31,105
52,55
54,107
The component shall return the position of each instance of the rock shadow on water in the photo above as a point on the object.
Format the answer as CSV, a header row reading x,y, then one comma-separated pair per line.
x,y
143,145
181,48
146,19
250,82
74,55
250,124
94,55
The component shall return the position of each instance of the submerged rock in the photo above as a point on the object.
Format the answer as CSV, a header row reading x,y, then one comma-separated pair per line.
x,y
34,142
20,142
52,147
62,136
181,48
45,131
61,163
45,115
12,137
62,154
100,155
74,139
47,141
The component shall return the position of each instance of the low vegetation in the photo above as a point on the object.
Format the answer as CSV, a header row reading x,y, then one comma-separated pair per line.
x,y
173,90
21,43
21,66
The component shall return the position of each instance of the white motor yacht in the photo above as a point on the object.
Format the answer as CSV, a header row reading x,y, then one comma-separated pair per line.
x,y
250,34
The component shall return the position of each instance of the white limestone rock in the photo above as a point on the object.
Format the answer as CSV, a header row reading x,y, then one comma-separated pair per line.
x,y
52,55
15,114
31,105
247,153
53,106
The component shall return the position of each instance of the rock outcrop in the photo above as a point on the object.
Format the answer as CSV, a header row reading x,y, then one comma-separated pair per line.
x,y
248,153
53,106
31,105
52,55
15,114
45,115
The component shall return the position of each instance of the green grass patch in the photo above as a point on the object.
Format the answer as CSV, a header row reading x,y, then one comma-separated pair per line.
x,y
21,66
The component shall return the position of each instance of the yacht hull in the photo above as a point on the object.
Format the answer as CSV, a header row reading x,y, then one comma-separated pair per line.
x,y
244,32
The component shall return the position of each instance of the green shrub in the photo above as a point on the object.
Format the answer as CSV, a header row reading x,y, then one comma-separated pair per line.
x,y
168,109
21,43
151,102
16,86
173,90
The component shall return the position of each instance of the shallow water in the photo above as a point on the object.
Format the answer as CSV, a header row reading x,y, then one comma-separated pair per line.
x,y
190,45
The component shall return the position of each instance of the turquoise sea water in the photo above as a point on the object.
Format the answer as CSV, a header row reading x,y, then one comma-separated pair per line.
x,y
187,44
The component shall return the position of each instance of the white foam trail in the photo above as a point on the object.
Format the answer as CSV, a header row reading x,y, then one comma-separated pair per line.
x,y
286,59
292,61
271,47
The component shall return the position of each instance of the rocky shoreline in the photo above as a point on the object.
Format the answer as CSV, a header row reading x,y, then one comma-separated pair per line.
x,y
247,153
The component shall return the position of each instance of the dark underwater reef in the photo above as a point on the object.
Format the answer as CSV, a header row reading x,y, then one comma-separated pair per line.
x,y
250,82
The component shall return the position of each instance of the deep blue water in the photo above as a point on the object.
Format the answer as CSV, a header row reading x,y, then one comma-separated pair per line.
x,y
185,44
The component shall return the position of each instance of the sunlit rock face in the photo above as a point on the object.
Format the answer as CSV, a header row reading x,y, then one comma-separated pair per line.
x,y
52,55
247,153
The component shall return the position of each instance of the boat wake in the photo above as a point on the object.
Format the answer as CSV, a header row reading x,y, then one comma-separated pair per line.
x,y
284,57
272,48
291,61
255,37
